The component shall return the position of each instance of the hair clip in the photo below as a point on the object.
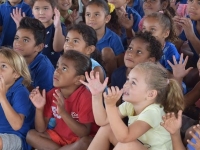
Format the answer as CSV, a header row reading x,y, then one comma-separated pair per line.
x,y
112,7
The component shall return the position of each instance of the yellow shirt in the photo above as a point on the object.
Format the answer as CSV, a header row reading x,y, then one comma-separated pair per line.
x,y
157,138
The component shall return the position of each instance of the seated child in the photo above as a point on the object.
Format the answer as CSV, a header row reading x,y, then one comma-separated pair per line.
x,y
70,103
29,41
7,22
16,109
44,10
83,38
144,47
148,94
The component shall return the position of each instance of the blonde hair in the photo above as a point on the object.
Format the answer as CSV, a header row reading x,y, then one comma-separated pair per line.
x,y
169,92
18,64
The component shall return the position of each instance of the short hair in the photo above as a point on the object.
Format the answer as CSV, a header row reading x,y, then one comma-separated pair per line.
x,y
100,3
82,63
18,64
53,3
154,48
36,27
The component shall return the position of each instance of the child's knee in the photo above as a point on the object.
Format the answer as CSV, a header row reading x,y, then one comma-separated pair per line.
x,y
31,135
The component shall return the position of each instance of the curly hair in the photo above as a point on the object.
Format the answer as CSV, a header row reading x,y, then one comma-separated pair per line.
x,y
154,48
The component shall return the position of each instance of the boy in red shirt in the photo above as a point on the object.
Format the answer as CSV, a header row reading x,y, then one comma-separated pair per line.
x,y
70,103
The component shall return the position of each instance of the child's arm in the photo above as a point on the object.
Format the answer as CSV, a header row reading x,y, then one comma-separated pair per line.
x,y
122,133
17,16
97,88
187,25
39,102
79,129
173,125
59,38
15,119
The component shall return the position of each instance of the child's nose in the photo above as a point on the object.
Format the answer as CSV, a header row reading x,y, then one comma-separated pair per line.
x,y
41,11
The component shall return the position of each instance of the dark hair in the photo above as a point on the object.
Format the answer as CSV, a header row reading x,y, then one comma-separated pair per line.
x,y
36,27
53,3
90,37
82,63
165,19
154,48
169,8
100,3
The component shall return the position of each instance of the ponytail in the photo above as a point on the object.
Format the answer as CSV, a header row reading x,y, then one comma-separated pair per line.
x,y
175,98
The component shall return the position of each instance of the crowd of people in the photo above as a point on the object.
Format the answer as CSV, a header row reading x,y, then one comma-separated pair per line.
x,y
120,74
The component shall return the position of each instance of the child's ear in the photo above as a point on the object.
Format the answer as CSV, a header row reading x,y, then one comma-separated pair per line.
x,y
80,77
39,47
90,49
16,75
151,94
164,5
108,17
152,59
166,33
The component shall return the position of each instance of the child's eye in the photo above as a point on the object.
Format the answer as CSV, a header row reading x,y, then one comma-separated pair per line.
x,y
75,41
66,40
56,66
16,38
133,82
139,52
26,40
87,14
3,66
130,48
152,29
46,8
64,68
96,14
36,8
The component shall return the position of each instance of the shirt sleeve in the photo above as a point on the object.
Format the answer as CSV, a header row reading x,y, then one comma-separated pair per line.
x,y
117,45
152,116
126,109
64,29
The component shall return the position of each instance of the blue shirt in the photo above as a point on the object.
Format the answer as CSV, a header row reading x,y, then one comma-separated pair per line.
x,y
168,51
190,147
48,47
42,72
118,77
184,38
137,5
9,26
18,97
112,40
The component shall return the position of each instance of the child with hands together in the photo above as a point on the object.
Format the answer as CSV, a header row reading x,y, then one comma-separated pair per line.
x,y
148,96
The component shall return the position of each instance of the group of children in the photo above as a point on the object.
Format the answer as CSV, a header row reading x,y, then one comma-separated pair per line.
x,y
68,81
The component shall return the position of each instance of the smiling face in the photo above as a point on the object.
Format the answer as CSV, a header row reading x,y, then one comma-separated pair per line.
x,y
24,43
193,9
7,72
64,5
95,17
43,11
135,89
136,53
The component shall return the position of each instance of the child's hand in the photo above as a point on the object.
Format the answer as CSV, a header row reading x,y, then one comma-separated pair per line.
x,y
94,84
56,19
198,66
171,123
177,25
179,70
17,15
60,102
37,99
2,89
187,25
113,96
196,145
74,16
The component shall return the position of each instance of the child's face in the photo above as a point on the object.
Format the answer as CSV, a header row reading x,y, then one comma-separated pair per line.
x,y
75,41
135,88
24,43
118,3
96,17
43,11
7,72
193,9
65,73
14,2
153,25
136,53
151,6
64,4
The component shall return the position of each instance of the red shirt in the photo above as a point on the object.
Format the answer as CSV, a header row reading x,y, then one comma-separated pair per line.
x,y
78,105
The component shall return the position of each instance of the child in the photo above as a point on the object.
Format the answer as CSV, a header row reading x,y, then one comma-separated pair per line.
x,y
83,38
29,41
7,22
97,14
161,26
16,110
148,95
64,8
44,10
144,47
69,103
